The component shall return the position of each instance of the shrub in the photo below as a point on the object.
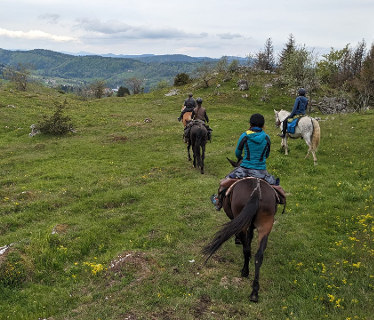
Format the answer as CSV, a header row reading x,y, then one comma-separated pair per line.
x,y
57,124
123,91
181,79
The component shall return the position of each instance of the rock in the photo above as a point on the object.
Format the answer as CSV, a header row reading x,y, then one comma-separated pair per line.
x,y
173,92
331,105
243,84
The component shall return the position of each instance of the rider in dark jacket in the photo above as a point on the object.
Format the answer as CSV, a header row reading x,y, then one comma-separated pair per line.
x,y
299,109
198,114
189,105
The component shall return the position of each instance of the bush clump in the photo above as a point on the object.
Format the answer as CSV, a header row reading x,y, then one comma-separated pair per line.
x,y
181,79
57,124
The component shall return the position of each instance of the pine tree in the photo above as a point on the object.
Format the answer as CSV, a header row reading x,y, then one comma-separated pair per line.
x,y
288,50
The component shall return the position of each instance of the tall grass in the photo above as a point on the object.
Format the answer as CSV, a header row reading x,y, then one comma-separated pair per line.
x,y
109,222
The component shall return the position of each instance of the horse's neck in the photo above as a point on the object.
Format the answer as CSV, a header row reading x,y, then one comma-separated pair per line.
x,y
282,115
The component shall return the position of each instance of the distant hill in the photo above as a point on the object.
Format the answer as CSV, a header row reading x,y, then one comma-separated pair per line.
x,y
61,68
151,58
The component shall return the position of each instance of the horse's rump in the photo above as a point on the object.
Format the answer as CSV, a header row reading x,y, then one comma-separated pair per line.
x,y
244,189
279,191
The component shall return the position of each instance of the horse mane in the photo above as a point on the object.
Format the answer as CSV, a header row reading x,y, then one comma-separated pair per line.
x,y
282,114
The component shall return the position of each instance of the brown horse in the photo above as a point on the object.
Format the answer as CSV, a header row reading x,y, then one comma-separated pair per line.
x,y
186,118
250,203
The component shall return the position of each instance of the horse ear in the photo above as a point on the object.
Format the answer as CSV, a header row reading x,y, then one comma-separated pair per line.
x,y
275,111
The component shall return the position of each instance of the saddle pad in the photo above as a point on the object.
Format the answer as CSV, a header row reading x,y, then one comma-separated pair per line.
x,y
292,125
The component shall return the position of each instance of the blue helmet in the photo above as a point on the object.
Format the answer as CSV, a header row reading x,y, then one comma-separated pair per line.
x,y
302,92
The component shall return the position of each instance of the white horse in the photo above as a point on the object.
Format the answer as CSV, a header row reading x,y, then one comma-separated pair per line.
x,y
308,128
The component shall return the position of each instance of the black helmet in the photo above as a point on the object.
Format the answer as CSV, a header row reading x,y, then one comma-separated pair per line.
x,y
302,92
257,120
199,100
190,94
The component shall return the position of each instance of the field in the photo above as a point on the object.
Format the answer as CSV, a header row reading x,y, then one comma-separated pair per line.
x,y
109,222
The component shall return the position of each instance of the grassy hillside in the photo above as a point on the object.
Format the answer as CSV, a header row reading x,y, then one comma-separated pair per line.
x,y
115,70
108,222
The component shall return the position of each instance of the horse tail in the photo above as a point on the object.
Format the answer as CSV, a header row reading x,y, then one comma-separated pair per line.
x,y
236,225
316,135
199,137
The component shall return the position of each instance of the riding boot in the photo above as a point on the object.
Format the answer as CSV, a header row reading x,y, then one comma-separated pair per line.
x,y
217,200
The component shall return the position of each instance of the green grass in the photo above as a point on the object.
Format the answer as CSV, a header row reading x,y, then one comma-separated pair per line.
x,y
132,215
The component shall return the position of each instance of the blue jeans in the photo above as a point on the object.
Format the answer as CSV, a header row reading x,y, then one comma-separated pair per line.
x,y
241,172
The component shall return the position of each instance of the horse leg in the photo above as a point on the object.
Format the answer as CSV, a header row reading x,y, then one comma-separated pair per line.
x,y
310,149
313,152
258,262
196,154
246,240
195,163
314,157
285,145
202,158
188,150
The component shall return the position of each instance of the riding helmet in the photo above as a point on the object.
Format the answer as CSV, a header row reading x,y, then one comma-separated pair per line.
x,y
199,100
302,92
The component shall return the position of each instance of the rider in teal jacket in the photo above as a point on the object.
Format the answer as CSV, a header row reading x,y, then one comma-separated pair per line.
x,y
256,145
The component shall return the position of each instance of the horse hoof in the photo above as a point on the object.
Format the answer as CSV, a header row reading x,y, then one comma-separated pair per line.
x,y
245,274
253,297
202,171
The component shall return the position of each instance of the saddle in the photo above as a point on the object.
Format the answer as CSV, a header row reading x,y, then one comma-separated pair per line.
x,y
291,126
279,191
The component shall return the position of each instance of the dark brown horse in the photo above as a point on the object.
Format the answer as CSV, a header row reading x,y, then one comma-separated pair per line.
x,y
250,203
198,137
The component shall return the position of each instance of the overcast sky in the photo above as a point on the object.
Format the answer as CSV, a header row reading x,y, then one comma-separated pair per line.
x,y
212,28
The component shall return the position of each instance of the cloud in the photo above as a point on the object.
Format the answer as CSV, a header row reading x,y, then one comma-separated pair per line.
x,y
34,35
229,36
50,18
117,29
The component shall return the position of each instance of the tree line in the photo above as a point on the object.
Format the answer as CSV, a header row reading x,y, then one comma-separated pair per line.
x,y
349,72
